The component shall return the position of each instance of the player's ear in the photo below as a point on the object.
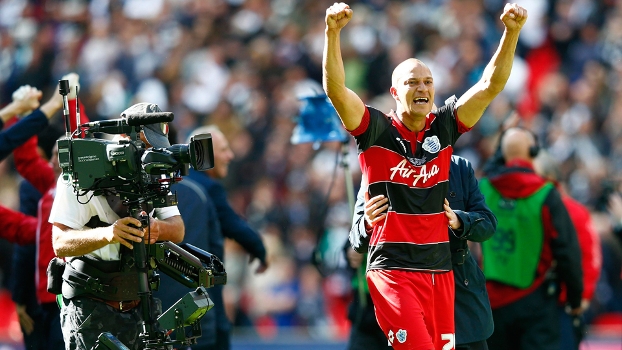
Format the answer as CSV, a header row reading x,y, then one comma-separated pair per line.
x,y
393,92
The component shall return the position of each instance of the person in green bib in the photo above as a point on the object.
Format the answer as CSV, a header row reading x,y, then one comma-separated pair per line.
x,y
534,248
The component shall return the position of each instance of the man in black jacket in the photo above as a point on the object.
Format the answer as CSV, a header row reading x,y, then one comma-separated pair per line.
x,y
210,219
470,219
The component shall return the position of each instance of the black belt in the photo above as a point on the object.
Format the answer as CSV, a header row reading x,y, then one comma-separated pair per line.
x,y
121,306
459,256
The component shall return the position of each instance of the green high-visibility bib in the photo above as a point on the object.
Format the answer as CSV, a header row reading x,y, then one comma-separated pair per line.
x,y
511,256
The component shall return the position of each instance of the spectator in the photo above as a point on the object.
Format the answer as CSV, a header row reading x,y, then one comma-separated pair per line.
x,y
204,187
203,231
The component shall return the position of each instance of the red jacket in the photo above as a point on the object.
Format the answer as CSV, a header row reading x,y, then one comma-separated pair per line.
x,y
589,242
23,229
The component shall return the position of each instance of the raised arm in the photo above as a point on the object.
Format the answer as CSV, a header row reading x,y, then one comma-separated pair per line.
x,y
17,227
28,101
470,107
347,103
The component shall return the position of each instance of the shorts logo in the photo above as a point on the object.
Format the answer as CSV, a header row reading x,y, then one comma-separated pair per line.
x,y
390,336
432,144
401,335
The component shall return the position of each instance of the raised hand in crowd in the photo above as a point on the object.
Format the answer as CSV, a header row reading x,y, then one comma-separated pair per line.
x,y
25,100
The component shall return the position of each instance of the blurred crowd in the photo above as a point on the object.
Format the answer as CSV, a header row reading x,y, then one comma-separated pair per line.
x,y
244,64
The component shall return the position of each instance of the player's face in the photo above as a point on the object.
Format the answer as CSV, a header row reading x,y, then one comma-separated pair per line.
x,y
414,91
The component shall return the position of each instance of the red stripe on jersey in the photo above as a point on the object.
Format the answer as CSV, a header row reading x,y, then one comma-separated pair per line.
x,y
461,127
383,165
416,229
363,126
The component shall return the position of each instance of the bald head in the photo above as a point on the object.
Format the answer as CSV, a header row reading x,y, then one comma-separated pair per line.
x,y
208,129
405,68
547,167
222,152
515,144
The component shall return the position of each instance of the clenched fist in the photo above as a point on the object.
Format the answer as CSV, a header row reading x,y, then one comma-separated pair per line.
x,y
338,15
513,16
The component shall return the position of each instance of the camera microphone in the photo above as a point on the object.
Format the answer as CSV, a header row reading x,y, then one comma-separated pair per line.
x,y
104,123
63,89
149,118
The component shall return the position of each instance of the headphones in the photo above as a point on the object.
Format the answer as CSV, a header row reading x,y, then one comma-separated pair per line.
x,y
533,149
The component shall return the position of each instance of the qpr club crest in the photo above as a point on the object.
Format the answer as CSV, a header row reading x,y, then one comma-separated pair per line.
x,y
401,335
432,144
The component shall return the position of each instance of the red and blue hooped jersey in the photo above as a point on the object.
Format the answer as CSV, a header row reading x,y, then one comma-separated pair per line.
x,y
412,170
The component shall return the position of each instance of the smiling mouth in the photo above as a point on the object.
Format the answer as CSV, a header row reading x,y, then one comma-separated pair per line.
x,y
421,100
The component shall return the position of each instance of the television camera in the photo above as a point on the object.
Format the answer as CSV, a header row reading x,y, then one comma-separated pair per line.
x,y
141,177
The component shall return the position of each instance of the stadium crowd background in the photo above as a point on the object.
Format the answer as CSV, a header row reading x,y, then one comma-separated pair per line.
x,y
243,64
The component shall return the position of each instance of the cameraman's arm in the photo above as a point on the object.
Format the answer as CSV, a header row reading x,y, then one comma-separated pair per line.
x,y
169,229
70,242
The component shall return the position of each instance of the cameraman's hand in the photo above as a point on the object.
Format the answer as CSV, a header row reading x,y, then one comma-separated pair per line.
x,y
153,231
125,234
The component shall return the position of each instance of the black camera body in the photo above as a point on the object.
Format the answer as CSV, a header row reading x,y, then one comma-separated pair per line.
x,y
126,165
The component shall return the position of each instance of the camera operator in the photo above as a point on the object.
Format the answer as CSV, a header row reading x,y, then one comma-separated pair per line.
x,y
95,236
25,102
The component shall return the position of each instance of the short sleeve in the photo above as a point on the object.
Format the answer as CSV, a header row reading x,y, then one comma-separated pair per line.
x,y
66,209
374,123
